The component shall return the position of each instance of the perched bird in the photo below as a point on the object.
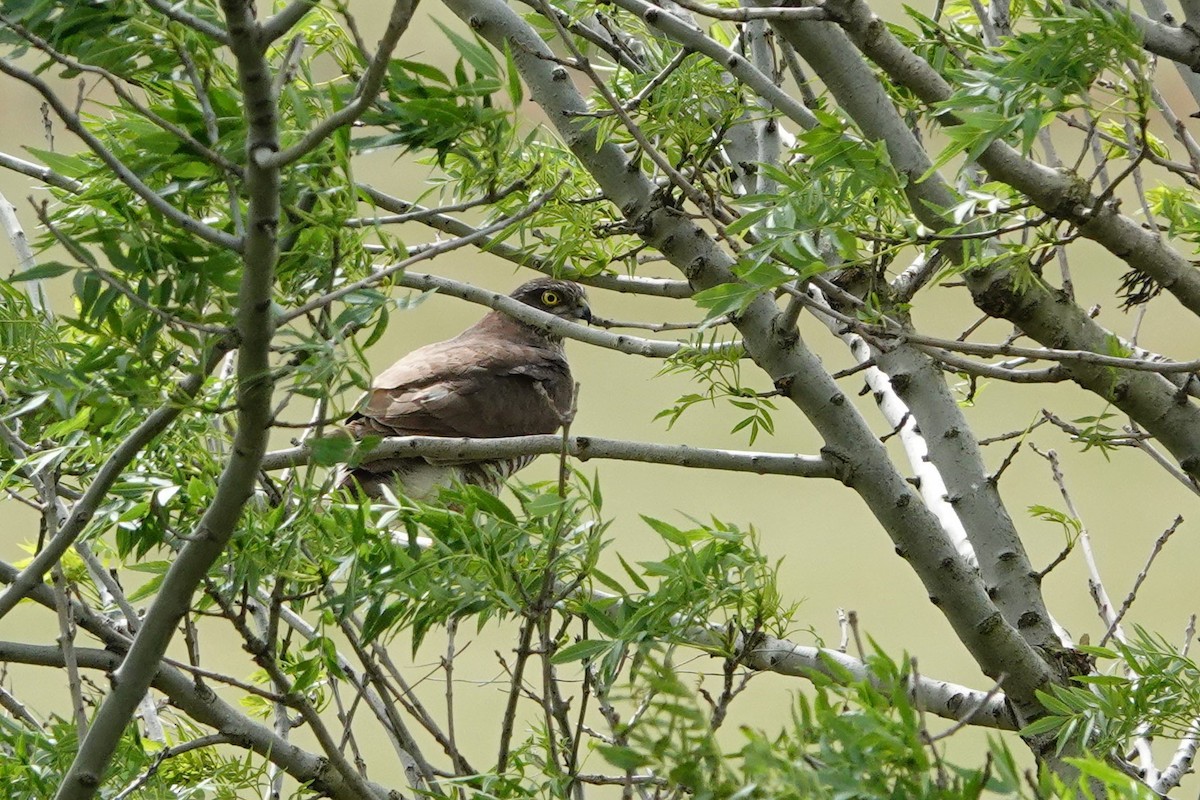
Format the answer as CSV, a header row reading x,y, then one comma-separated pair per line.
x,y
500,377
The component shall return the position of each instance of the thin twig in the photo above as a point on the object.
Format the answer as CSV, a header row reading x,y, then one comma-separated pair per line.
x,y
1159,543
969,717
1104,605
17,709
448,666
807,14
435,250
167,753
172,10
420,214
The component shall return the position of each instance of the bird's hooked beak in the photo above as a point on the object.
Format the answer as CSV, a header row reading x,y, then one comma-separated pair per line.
x,y
584,313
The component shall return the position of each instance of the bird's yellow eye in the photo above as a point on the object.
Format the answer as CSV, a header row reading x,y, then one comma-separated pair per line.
x,y
551,298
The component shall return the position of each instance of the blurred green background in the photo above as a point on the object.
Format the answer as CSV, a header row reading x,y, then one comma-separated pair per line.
x,y
833,554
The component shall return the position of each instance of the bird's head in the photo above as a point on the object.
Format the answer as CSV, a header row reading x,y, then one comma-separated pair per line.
x,y
565,299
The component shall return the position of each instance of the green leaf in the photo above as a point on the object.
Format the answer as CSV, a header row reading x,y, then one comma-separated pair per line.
x,y
581,651
44,271
1054,704
669,532
488,503
75,423
1097,769
330,450
633,574
600,616
152,567
608,581
625,758
544,505
69,166
516,92
147,589
479,56
727,298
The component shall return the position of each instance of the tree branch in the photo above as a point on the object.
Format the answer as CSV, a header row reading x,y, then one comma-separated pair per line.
x,y
797,371
279,24
84,508
124,173
956,363
43,174
206,708
947,700
632,284
172,11
255,325
633,345
368,87
583,448
799,13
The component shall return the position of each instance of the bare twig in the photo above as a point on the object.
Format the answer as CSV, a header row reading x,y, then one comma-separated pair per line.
x,y
419,214
17,709
1159,543
44,174
448,667
1104,604
66,643
811,13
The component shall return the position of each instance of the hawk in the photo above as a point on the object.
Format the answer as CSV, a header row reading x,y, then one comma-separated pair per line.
x,y
500,377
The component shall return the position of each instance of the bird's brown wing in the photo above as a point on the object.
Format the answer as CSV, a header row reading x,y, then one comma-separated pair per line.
x,y
469,386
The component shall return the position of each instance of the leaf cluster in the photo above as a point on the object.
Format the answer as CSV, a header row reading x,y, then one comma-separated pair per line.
x,y
848,738
32,761
1147,688
473,557
1015,89
717,370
